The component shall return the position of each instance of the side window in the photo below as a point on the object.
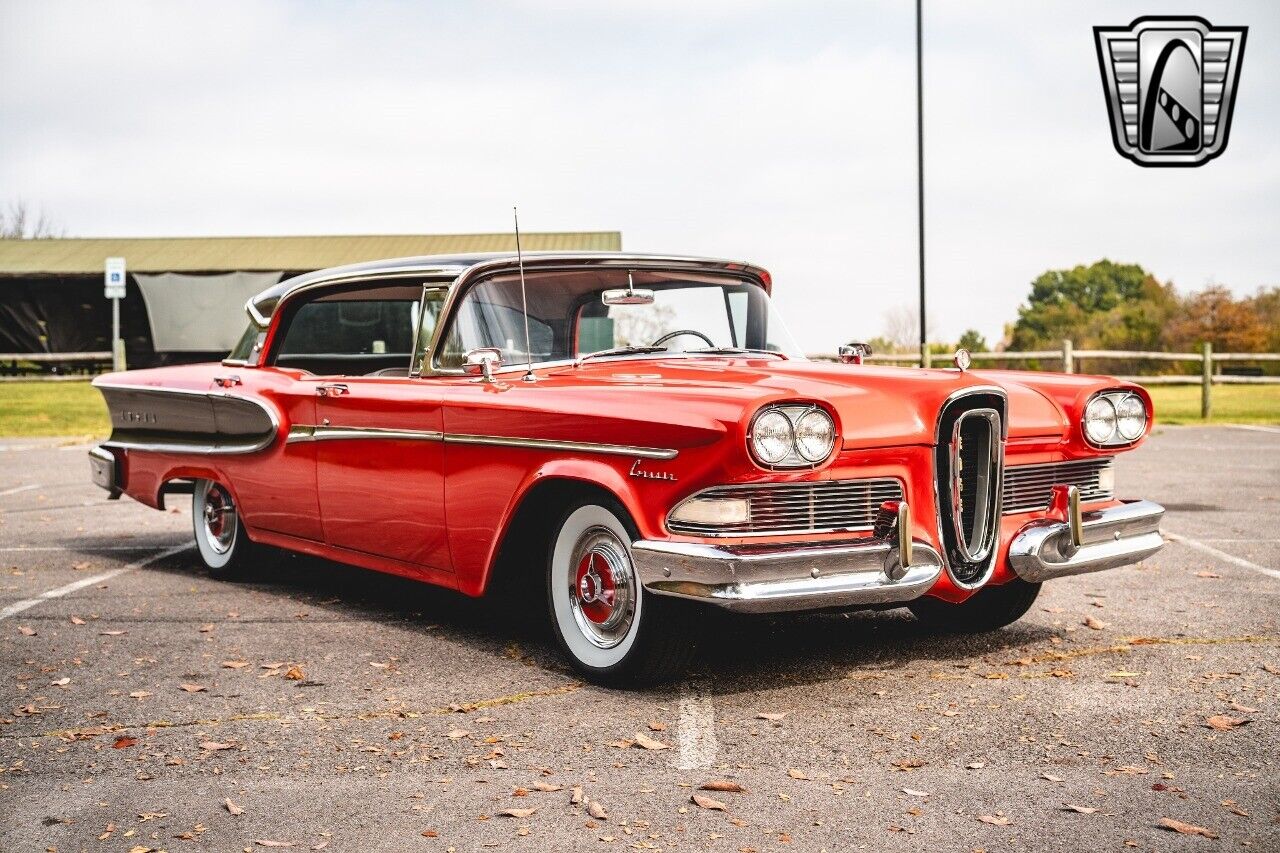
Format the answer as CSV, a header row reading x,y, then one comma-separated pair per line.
x,y
360,331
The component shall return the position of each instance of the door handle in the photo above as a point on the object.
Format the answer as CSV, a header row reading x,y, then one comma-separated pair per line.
x,y
332,389
226,381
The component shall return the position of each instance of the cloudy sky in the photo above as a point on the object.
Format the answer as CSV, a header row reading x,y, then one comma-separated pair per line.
x,y
777,132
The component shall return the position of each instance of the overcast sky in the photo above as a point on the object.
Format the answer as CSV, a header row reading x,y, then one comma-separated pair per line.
x,y
777,132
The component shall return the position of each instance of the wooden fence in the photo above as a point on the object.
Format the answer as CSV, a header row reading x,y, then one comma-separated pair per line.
x,y
1065,359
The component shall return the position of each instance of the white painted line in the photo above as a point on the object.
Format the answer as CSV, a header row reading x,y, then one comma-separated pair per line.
x,y
696,729
17,489
78,548
1222,555
1255,427
28,603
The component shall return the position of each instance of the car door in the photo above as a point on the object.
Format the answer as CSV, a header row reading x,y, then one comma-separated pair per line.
x,y
379,447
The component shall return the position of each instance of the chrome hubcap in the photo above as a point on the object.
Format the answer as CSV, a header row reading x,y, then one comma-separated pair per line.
x,y
602,588
219,518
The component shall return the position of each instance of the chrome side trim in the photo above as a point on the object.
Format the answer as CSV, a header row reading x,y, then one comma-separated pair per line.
x,y
299,433
1111,537
778,578
572,446
306,432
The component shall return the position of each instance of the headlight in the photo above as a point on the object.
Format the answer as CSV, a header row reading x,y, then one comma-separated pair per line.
x,y
815,435
792,436
1115,417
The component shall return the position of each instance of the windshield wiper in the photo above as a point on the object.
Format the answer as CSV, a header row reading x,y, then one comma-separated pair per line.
x,y
620,351
736,351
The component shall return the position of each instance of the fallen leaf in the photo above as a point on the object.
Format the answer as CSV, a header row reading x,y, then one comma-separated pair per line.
x,y
1244,709
214,746
234,664
232,808
1223,723
61,682
1081,809
205,629
1185,828
914,793
26,631
647,742
771,716
797,774
517,812
657,727
722,785
294,673
124,742
597,811
193,688
265,842
977,765
994,820
80,567
708,803
139,694
430,833
112,633
905,764
546,787
1095,624
456,734
575,796
1208,575
76,620
1051,777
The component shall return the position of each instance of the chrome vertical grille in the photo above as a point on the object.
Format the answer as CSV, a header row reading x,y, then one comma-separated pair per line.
x,y
969,461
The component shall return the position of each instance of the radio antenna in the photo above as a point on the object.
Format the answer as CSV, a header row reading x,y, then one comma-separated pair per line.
x,y
524,301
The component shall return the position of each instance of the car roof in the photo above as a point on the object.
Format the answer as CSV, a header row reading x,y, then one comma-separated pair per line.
x,y
261,306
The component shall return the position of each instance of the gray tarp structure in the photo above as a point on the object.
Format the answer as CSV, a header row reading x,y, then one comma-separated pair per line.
x,y
199,313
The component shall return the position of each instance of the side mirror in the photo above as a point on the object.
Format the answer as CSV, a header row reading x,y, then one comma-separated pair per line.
x,y
482,362
854,353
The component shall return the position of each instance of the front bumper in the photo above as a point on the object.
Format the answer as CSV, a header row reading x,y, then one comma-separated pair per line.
x,y
775,578
1103,539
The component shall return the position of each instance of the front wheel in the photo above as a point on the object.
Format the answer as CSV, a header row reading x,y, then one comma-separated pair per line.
x,y
988,609
225,549
611,629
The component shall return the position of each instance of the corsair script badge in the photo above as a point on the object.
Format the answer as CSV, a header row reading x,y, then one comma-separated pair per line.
x,y
1170,84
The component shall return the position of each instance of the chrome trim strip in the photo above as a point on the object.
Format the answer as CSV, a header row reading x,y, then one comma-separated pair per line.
x,y
778,578
306,432
1115,536
552,444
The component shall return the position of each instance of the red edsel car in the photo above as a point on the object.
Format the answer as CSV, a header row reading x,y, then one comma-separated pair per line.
x,y
644,437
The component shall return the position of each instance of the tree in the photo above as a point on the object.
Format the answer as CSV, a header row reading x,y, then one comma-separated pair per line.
x,y
973,341
1215,316
19,224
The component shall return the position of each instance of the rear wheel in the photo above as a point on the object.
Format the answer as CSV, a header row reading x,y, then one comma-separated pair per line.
x,y
224,547
988,609
611,629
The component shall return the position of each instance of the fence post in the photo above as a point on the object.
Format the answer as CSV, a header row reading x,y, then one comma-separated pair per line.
x,y
1068,356
926,358
1206,380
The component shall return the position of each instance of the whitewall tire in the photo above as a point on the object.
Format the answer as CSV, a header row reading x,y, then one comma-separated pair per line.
x,y
224,546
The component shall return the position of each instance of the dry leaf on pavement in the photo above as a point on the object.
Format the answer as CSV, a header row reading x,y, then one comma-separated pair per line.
x,y
193,688
26,631
708,803
575,796
914,793
770,716
597,811
76,620
797,774
266,842
232,807
647,742
1095,624
657,727
722,785
294,673
517,812
124,742
234,664
994,820
977,765
1069,807
214,746
1208,575
456,734
545,787
1185,828
1223,723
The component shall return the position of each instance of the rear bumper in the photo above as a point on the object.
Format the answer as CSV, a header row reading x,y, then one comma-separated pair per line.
x,y
775,578
104,470
1112,537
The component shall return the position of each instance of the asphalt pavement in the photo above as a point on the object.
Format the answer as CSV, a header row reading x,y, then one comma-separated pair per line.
x,y
148,707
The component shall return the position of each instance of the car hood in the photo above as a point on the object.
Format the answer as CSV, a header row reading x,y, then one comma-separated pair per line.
x,y
876,406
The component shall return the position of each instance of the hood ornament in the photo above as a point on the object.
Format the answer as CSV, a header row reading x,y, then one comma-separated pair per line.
x,y
962,359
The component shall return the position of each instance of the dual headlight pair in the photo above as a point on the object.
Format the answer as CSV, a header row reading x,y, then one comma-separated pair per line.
x,y
1114,417
791,436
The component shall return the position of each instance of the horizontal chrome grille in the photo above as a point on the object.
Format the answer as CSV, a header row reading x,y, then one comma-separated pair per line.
x,y
825,506
1029,488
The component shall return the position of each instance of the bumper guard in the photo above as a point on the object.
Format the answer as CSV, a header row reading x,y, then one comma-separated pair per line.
x,y
1086,542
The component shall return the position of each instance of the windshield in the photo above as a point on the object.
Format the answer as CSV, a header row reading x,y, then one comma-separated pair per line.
x,y
568,318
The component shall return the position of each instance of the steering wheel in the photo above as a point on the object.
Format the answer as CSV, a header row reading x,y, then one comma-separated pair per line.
x,y
670,335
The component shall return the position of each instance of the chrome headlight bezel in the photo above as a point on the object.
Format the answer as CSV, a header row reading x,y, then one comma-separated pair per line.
x,y
1116,401
797,456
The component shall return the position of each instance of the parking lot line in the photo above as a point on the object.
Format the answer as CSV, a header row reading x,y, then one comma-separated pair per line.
x,y
1222,555
16,489
696,730
27,603
79,548
1255,427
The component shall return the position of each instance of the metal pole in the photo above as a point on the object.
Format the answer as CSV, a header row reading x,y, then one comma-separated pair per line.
x,y
924,345
1206,380
117,351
